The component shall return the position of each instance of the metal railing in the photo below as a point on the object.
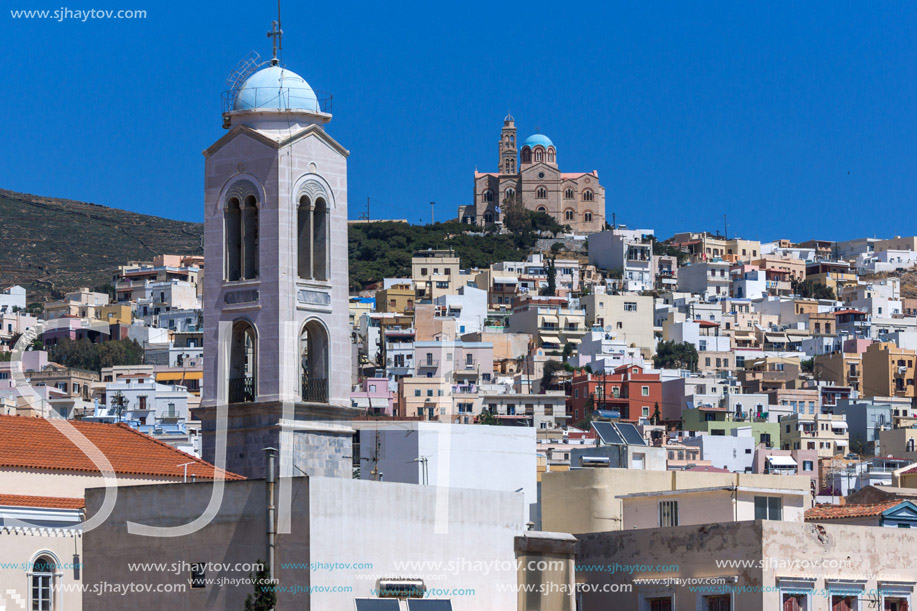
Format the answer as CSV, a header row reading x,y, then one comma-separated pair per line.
x,y
315,390
286,98
242,390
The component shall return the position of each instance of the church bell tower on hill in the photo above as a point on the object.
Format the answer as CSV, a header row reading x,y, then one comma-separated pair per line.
x,y
277,354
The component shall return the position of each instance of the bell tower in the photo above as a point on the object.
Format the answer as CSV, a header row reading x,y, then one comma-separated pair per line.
x,y
277,355
508,146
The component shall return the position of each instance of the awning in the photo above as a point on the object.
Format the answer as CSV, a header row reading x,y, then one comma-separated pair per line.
x,y
841,442
167,376
781,461
553,319
838,425
574,340
550,339
775,337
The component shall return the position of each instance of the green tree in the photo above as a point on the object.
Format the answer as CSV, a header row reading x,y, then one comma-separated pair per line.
x,y
547,375
551,289
807,365
657,417
672,355
84,354
556,247
487,417
809,289
264,598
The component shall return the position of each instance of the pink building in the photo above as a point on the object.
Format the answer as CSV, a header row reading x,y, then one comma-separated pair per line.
x,y
374,396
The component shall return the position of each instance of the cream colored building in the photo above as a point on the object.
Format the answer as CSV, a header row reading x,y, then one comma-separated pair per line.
x,y
826,433
629,317
435,273
587,500
714,504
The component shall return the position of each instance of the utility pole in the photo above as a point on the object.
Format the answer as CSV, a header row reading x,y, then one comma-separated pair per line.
x,y
725,228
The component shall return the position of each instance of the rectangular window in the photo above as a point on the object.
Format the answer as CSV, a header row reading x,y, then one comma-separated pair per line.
x,y
668,513
718,602
645,391
795,602
768,508
630,306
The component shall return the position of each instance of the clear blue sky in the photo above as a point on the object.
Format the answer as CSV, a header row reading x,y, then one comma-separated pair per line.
x,y
796,121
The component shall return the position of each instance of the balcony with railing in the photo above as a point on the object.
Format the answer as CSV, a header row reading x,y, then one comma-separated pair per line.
x,y
242,390
314,390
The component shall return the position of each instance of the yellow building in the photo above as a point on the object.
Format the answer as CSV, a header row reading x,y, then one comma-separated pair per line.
x,y
116,314
888,371
839,368
833,274
398,298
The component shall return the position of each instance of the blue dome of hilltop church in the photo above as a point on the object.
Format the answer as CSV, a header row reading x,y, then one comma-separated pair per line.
x,y
536,139
276,88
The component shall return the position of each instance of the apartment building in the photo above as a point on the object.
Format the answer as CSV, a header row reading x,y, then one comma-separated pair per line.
x,y
550,321
825,433
840,368
628,317
710,279
629,253
630,393
888,371
434,273
398,298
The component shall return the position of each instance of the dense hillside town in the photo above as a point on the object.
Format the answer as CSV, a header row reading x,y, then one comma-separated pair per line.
x,y
612,419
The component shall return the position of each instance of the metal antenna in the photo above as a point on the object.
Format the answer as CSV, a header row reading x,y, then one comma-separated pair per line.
x,y
277,34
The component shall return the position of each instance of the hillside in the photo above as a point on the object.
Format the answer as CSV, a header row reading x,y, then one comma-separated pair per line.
x,y
55,245
52,245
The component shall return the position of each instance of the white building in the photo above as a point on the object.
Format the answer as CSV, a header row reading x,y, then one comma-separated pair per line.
x,y
629,252
734,452
451,455
468,307
710,279
12,297
602,351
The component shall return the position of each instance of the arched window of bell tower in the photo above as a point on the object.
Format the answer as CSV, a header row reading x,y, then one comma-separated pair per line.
x,y
313,347
243,362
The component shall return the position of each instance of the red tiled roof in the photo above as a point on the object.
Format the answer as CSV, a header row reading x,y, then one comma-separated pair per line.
x,y
55,502
36,443
707,323
836,512
839,312
908,471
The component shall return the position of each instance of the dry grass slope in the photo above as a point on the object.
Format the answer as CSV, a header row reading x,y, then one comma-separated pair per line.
x,y
52,245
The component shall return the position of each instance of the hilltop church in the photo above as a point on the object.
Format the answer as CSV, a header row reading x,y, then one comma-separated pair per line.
x,y
575,199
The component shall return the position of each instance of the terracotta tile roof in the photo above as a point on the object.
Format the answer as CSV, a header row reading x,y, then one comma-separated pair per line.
x,y
56,502
36,443
909,470
836,512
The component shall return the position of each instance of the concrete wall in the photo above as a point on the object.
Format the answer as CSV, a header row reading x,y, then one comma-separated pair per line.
x,y
391,530
458,455
585,500
780,555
